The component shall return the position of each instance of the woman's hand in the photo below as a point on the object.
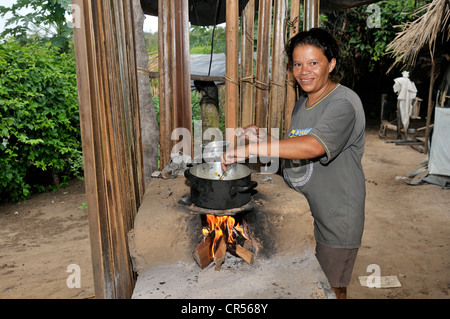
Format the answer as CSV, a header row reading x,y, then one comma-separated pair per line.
x,y
253,134
232,156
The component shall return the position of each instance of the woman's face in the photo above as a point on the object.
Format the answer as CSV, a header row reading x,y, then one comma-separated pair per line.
x,y
311,68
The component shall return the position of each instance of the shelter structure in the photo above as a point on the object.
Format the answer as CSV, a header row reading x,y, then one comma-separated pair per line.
x,y
105,51
432,29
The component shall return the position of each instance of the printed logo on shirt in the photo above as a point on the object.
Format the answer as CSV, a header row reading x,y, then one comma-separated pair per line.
x,y
298,172
299,132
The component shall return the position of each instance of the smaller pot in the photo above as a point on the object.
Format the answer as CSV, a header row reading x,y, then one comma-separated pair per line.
x,y
209,191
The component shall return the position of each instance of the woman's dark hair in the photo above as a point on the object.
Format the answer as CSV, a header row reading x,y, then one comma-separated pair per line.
x,y
319,38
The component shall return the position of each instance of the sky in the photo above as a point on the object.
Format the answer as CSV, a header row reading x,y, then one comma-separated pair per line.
x,y
150,23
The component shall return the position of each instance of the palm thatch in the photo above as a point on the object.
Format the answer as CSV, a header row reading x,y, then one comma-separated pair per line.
x,y
433,21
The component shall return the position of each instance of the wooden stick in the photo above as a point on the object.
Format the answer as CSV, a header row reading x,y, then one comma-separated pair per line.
x,y
246,255
203,253
219,254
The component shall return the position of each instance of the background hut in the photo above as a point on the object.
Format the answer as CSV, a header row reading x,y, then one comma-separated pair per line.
x,y
431,29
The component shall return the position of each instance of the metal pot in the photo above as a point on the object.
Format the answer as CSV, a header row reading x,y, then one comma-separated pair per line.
x,y
212,151
209,190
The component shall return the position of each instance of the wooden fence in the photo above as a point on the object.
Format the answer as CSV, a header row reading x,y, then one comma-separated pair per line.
x,y
110,128
258,91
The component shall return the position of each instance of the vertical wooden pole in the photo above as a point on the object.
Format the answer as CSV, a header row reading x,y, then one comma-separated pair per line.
x,y
430,105
181,72
262,62
166,64
232,65
310,14
291,87
247,43
278,85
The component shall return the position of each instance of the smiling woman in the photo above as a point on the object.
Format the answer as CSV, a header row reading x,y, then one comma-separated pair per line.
x,y
322,153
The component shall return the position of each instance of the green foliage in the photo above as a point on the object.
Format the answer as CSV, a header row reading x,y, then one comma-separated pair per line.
x,y
200,39
39,119
364,33
45,16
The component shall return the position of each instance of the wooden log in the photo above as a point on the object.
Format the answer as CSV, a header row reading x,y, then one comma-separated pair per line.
x,y
219,254
245,254
203,253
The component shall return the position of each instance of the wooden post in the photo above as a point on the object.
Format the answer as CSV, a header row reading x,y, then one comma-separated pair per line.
x,y
181,73
291,87
310,14
430,105
278,85
262,62
166,64
247,43
232,65
110,132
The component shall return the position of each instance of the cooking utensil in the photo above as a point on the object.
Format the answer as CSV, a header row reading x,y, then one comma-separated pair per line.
x,y
209,189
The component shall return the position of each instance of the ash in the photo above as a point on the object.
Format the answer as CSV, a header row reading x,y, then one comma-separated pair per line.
x,y
267,278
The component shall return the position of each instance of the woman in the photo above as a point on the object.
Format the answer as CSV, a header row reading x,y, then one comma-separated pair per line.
x,y
321,153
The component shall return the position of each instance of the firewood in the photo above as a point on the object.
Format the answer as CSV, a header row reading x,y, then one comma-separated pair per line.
x,y
246,255
203,253
219,254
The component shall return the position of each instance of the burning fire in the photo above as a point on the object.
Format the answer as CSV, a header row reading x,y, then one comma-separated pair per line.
x,y
220,226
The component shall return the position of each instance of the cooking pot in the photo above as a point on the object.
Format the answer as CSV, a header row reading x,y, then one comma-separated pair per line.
x,y
212,151
209,189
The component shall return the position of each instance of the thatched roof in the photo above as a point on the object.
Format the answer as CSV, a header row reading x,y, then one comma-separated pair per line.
x,y
431,26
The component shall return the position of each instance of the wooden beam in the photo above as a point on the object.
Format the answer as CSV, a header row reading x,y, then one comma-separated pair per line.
x,y
166,64
232,65
311,14
262,61
430,104
181,72
247,44
291,87
278,75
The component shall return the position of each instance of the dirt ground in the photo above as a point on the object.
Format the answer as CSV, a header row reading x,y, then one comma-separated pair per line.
x,y
406,235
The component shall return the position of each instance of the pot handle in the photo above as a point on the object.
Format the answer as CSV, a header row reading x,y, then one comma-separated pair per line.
x,y
188,174
243,189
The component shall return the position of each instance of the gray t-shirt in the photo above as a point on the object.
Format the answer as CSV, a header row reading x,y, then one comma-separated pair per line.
x,y
334,184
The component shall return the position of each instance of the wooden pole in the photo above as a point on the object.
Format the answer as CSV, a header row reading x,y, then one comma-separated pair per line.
x,y
232,65
291,87
262,61
181,73
430,105
278,81
166,64
310,14
247,43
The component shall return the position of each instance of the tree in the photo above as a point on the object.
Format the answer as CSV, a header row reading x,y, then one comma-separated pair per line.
x,y
46,15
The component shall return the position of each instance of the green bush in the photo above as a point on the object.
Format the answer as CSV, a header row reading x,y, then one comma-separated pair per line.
x,y
39,119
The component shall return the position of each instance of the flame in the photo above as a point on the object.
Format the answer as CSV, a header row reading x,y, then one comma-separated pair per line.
x,y
221,226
